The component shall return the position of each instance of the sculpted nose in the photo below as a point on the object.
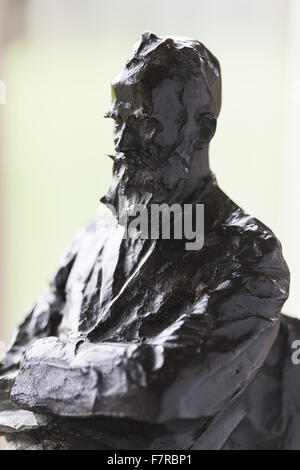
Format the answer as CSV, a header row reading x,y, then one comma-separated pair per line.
x,y
126,140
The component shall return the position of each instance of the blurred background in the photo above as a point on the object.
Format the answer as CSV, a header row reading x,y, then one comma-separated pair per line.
x,y
57,59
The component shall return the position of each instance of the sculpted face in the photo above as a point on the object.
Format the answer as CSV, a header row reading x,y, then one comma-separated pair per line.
x,y
163,119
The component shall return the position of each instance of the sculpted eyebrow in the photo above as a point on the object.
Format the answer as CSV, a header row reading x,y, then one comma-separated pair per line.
x,y
113,114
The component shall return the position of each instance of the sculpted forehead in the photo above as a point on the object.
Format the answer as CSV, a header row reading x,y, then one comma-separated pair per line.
x,y
129,75
153,92
128,90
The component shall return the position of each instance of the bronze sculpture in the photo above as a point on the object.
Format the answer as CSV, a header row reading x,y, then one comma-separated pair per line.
x,y
138,343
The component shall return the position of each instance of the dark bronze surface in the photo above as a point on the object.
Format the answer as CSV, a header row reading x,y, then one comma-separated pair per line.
x,y
141,344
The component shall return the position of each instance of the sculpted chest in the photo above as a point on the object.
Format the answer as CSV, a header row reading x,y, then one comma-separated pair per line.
x,y
131,290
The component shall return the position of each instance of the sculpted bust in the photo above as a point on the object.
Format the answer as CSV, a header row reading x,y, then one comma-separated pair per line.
x,y
137,342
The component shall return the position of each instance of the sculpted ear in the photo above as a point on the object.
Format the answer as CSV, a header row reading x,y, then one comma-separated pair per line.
x,y
207,129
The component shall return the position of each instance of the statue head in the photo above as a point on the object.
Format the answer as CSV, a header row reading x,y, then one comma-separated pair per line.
x,y
165,103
